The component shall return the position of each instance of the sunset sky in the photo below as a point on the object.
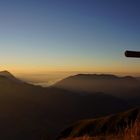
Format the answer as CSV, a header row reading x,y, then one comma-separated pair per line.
x,y
69,35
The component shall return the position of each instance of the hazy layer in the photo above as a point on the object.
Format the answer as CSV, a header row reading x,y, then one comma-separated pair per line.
x,y
50,78
44,79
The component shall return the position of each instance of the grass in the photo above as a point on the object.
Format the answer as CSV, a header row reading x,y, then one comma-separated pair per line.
x,y
105,138
122,126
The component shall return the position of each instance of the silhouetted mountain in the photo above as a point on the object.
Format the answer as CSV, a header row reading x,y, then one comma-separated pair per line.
x,y
33,112
9,76
124,125
6,74
124,87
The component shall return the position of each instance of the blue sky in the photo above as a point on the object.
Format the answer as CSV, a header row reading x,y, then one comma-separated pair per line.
x,y
69,35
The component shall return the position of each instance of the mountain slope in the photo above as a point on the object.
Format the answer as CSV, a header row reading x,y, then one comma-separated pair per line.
x,y
33,112
124,125
8,75
117,86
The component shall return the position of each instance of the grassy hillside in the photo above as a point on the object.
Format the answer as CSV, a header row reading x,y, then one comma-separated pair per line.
x,y
122,126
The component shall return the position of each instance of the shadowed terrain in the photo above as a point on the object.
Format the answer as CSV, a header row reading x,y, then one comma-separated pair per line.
x,y
117,86
122,126
33,112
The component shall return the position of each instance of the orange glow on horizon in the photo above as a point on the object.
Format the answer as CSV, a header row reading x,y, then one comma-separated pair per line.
x,y
122,70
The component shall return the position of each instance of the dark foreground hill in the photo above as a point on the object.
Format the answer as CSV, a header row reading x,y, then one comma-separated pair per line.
x,y
125,87
33,112
122,126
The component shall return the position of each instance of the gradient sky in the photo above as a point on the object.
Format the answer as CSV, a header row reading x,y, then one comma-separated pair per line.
x,y
69,35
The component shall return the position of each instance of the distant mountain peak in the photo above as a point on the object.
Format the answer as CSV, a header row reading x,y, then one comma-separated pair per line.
x,y
6,73
97,76
119,86
130,78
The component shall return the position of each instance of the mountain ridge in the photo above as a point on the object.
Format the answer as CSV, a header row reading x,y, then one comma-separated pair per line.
x,y
30,112
104,76
122,125
10,76
117,86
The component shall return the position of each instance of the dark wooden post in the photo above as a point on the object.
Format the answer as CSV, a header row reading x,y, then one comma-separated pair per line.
x,y
133,54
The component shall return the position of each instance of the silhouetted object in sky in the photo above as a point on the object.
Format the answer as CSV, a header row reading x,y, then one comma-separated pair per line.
x,y
132,54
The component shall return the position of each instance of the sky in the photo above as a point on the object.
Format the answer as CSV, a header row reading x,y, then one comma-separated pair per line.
x,y
38,36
